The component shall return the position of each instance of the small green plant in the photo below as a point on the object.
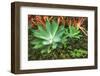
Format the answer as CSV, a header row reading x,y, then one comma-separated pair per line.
x,y
72,32
78,53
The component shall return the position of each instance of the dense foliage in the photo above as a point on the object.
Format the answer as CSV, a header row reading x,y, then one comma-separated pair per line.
x,y
57,37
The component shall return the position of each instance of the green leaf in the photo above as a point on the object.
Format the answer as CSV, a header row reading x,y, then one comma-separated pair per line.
x,y
56,39
54,46
42,30
54,28
40,35
59,34
46,42
60,31
48,27
38,46
48,51
36,41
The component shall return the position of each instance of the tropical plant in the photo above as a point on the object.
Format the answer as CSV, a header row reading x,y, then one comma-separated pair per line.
x,y
49,36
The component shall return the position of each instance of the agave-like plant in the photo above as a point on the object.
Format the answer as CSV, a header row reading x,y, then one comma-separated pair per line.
x,y
77,23
49,36
73,32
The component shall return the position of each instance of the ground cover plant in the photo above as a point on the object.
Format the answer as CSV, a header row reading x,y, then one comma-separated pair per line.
x,y
57,37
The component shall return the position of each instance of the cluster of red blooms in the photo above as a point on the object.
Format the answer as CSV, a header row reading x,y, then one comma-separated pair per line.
x,y
78,22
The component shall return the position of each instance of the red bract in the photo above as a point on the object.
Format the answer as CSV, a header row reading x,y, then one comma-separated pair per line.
x,y
75,21
69,21
35,20
79,25
61,20
30,20
39,20
45,18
